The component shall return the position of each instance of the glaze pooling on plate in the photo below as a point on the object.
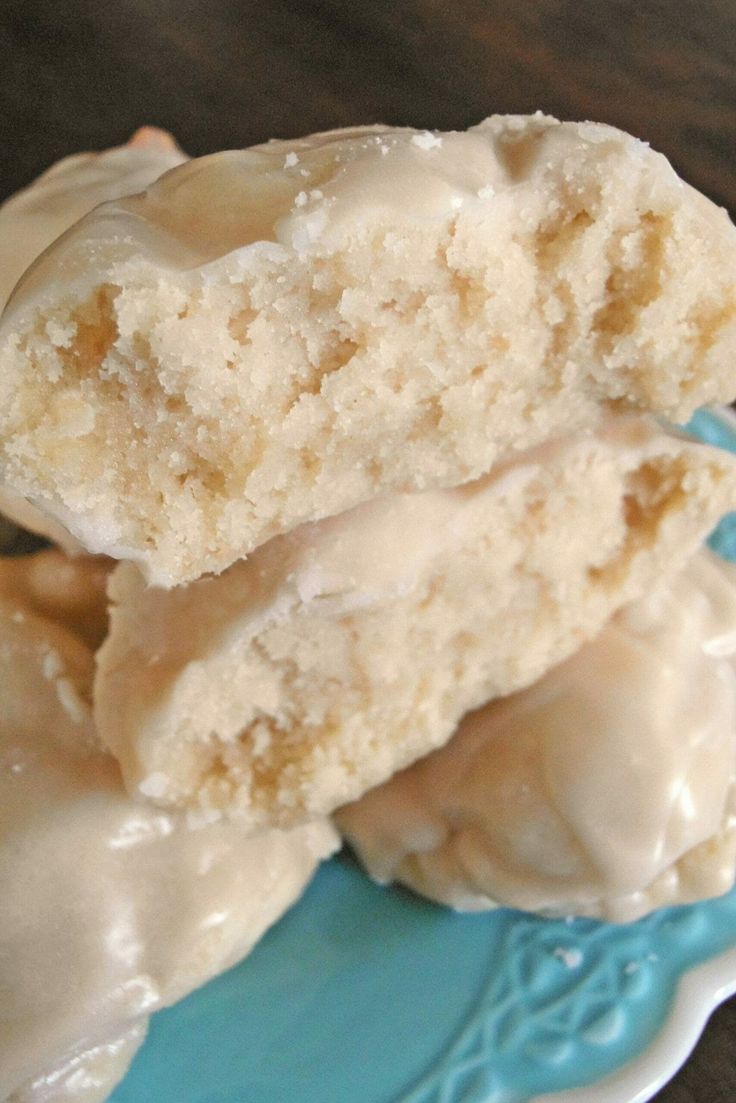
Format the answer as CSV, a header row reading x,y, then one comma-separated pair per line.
x,y
406,1002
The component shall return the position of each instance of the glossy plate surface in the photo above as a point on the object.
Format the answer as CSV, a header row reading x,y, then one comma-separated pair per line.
x,y
369,995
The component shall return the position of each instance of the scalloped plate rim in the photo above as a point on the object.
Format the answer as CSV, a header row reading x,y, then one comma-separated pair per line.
x,y
700,990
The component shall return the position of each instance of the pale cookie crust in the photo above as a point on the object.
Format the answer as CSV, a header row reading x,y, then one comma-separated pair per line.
x,y
271,336
339,653
605,789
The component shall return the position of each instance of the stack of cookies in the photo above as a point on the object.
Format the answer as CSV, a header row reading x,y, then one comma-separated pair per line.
x,y
359,454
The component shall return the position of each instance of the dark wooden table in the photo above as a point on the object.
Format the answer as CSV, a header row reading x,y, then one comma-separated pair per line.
x,y
82,74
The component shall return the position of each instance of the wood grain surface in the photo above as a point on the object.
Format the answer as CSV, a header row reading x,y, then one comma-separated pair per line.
x,y
77,74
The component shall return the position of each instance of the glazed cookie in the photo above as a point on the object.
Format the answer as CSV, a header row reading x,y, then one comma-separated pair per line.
x,y
605,789
341,652
271,336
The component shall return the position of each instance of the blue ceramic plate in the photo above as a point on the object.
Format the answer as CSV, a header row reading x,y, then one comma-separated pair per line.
x,y
364,994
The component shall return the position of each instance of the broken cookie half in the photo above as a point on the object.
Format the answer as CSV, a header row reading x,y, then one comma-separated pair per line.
x,y
271,336
341,652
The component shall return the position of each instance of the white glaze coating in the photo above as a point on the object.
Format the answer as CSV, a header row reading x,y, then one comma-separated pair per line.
x,y
606,788
34,217
342,183
108,909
